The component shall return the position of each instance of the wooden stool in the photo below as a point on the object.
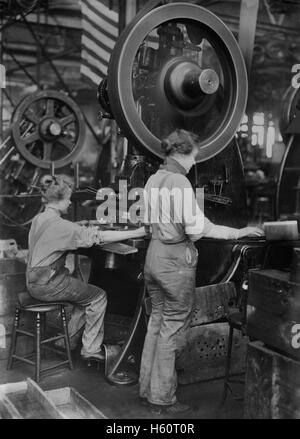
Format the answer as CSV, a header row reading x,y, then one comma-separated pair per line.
x,y
40,309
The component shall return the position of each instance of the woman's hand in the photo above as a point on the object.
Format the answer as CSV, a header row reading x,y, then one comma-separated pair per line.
x,y
251,232
82,222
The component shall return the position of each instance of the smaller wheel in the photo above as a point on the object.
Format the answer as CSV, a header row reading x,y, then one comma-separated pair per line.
x,y
48,127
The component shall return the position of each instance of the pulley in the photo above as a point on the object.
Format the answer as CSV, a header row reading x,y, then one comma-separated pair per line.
x,y
46,130
48,127
177,66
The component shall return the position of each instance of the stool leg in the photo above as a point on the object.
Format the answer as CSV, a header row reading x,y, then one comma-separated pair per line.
x,y
228,363
66,334
38,348
43,325
13,345
43,332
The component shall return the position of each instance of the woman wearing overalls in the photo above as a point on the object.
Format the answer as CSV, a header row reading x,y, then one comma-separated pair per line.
x,y
170,270
50,239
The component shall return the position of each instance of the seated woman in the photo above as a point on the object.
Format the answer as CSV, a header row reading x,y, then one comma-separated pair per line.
x,y
50,239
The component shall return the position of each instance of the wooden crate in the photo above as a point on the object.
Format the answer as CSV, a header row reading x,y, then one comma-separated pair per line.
x,y
272,388
26,400
72,405
275,310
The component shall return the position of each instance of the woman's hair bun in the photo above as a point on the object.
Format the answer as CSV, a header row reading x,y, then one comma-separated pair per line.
x,y
166,146
179,141
46,182
56,187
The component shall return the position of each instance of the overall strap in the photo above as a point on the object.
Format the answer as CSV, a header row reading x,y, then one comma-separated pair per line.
x,y
163,181
154,226
37,236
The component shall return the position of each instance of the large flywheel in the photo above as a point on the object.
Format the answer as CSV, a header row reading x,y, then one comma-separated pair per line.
x,y
177,66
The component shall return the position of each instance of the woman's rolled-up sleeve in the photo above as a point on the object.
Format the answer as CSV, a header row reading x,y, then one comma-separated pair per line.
x,y
194,220
89,236
71,236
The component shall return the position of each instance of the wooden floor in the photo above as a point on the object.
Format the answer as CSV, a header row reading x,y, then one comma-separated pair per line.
x,y
122,402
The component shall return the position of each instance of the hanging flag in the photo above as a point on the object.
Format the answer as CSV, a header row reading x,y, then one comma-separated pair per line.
x,y
99,35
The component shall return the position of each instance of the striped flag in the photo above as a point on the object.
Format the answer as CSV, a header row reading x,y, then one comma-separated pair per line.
x,y
99,35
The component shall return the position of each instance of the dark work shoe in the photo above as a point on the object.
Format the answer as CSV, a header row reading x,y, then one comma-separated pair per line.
x,y
178,407
100,356
173,409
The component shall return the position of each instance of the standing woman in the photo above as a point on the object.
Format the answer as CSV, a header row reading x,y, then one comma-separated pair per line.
x,y
170,269
50,239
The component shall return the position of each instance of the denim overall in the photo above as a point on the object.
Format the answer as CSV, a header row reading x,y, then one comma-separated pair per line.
x,y
54,283
170,270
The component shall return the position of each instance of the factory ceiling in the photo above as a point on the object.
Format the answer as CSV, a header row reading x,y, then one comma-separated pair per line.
x,y
57,25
